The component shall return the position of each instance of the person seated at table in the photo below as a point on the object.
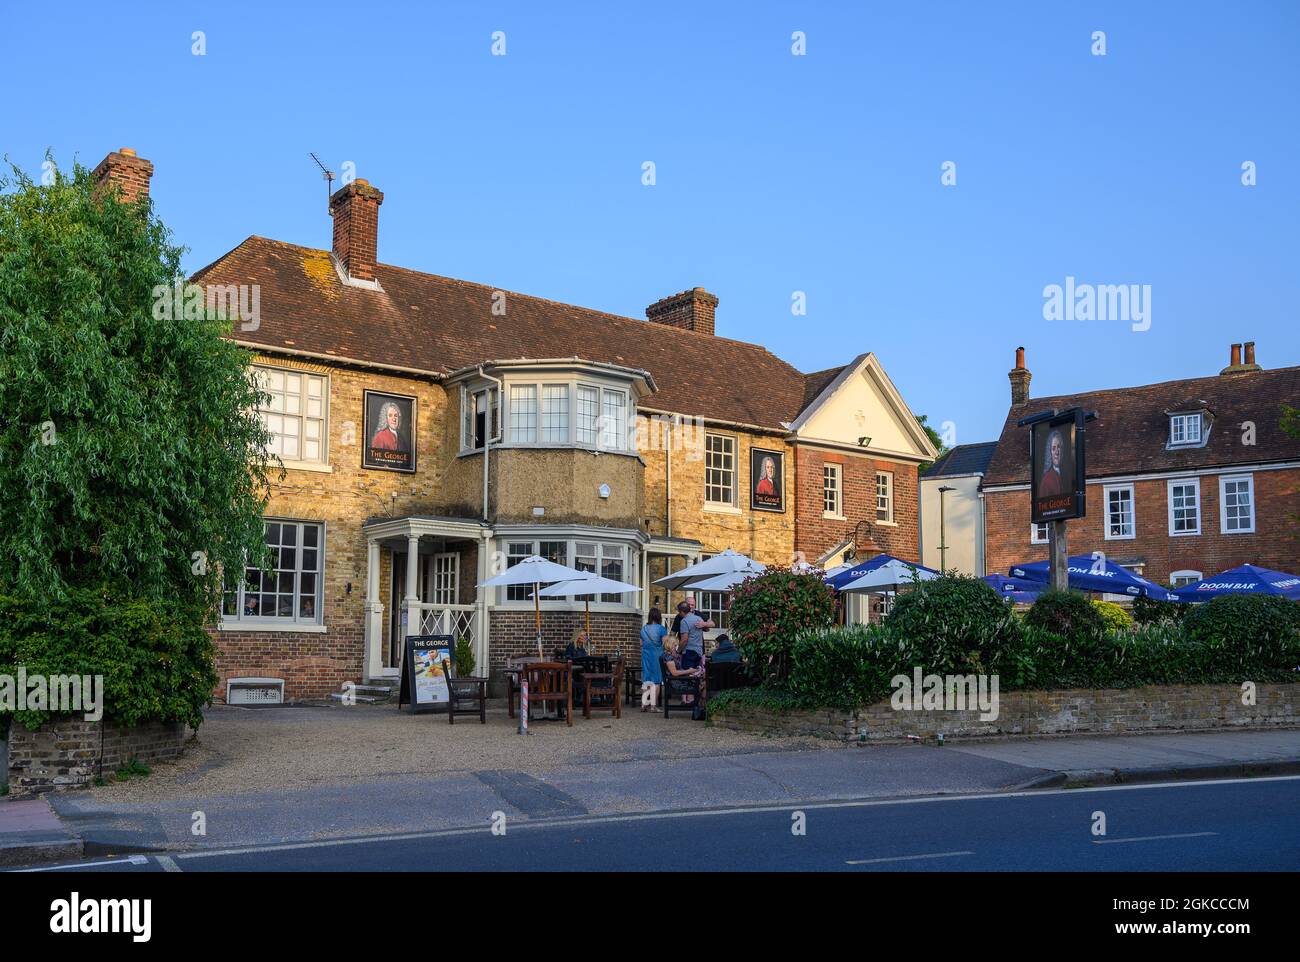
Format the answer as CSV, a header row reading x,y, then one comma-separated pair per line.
x,y
725,652
652,646
577,648
673,665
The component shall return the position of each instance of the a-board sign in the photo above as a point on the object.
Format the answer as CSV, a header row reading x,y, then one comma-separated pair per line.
x,y
1056,458
424,684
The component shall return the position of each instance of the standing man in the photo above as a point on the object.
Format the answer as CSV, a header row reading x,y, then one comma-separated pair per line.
x,y
692,635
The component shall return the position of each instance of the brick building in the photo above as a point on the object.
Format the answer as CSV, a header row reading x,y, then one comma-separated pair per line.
x,y
433,430
1184,479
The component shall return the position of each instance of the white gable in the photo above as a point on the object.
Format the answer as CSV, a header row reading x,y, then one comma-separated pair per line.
x,y
863,403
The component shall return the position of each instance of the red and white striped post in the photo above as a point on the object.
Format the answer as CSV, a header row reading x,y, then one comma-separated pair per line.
x,y
523,705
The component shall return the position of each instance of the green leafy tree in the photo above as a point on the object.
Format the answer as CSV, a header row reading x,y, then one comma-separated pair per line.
x,y
131,456
768,613
935,439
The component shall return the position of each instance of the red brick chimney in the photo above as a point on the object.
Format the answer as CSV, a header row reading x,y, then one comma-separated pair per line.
x,y
355,209
127,171
691,310
1019,377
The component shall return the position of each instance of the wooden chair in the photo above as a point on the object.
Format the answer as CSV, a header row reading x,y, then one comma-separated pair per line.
x,y
551,681
584,665
603,686
677,687
465,688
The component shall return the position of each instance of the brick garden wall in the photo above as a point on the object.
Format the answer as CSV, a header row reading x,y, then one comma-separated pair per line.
x,y
71,752
1066,712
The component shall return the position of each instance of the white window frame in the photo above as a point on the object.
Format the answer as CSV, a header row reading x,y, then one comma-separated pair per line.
x,y
1181,422
1132,512
889,497
443,572
1224,480
832,490
296,621
521,595
469,404
1185,576
1033,532
303,400
731,448
1172,483
524,413
554,424
609,431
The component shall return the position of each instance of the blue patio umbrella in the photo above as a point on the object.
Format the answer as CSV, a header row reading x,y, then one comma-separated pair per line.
x,y
1243,580
1016,589
837,578
1097,574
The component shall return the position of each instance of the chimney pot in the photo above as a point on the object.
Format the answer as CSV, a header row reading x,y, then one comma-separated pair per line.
x,y
355,209
1250,352
1020,378
691,310
1235,356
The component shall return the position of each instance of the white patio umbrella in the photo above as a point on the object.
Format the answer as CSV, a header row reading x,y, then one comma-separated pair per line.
x,y
890,576
725,582
592,585
728,562
536,571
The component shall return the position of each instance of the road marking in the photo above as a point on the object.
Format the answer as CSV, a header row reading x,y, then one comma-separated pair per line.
x,y
905,858
132,860
595,820
1149,838
168,864
590,820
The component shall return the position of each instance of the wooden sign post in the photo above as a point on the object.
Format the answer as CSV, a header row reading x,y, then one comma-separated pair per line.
x,y
1057,482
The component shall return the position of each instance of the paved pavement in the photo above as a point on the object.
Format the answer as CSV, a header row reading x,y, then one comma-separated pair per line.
x,y
31,832
605,786
1246,824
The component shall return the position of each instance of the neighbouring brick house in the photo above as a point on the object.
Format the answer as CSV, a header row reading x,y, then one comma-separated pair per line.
x,y
433,430
1184,479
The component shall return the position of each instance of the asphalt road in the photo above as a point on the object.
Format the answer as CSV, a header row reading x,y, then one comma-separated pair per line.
x,y
1228,825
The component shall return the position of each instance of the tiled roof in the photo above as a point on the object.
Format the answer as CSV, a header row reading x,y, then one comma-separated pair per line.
x,y
964,459
1131,432
435,324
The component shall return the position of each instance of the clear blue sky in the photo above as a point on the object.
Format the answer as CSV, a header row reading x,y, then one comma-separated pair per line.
x,y
775,173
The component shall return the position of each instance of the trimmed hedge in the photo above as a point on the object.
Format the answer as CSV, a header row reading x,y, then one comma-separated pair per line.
x,y
1227,641
1065,613
959,624
156,658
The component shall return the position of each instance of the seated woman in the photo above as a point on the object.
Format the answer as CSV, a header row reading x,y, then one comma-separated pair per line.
x,y
673,668
577,648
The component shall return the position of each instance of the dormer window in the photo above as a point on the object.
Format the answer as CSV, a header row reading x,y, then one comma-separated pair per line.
x,y
1185,429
